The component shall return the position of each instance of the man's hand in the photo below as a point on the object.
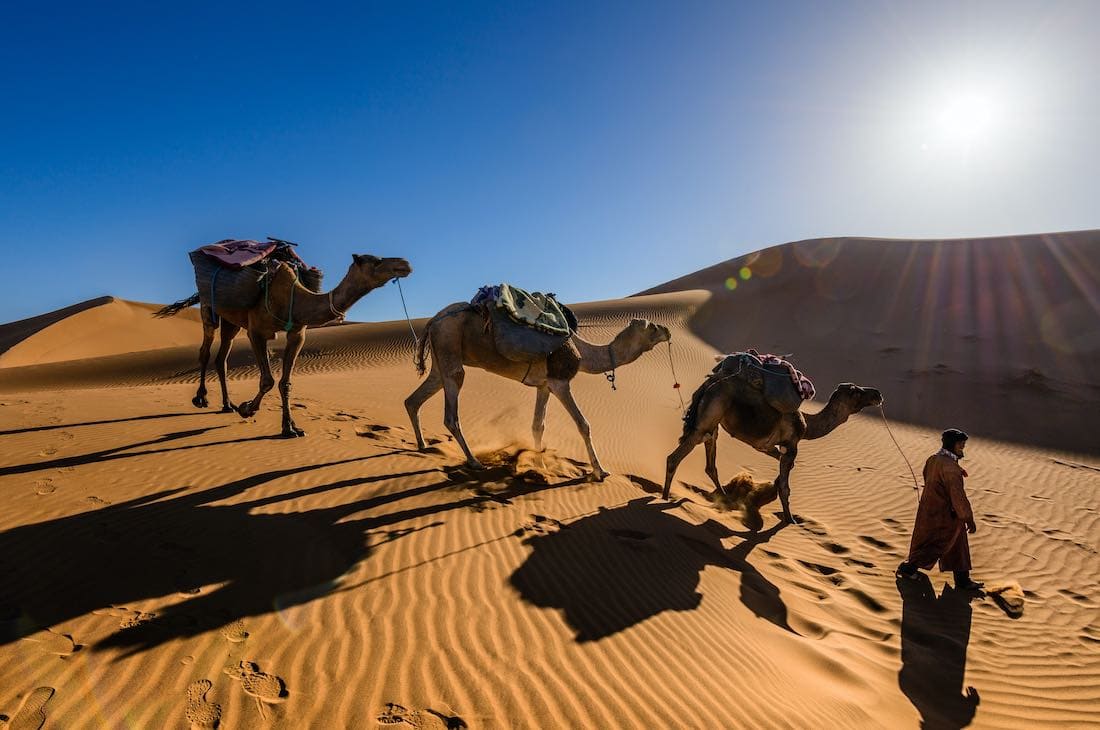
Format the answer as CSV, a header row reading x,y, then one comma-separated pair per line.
x,y
971,526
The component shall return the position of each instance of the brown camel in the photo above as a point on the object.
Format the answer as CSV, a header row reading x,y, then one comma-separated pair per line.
x,y
732,402
457,336
288,307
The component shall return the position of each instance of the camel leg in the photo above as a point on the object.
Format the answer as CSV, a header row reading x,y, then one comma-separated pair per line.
x,y
431,385
538,426
705,429
228,332
267,381
294,341
783,481
711,444
452,384
560,388
199,401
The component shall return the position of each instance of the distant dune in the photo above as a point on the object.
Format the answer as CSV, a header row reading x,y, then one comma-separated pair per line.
x,y
97,327
168,566
999,336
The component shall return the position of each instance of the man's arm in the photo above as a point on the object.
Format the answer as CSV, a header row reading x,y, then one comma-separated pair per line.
x,y
953,480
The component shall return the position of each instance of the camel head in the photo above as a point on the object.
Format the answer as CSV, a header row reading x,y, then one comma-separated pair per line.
x,y
646,334
855,397
372,271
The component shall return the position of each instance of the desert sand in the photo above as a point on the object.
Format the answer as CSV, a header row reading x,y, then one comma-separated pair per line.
x,y
165,566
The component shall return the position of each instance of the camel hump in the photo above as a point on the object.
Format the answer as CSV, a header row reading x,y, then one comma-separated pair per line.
x,y
527,326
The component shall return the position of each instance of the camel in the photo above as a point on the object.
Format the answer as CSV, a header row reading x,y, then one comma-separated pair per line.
x,y
289,307
739,407
458,336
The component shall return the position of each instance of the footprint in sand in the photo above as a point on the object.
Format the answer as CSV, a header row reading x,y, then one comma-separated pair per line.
x,y
97,501
201,714
48,451
129,618
876,543
428,719
265,688
374,431
50,642
32,713
234,632
540,525
44,487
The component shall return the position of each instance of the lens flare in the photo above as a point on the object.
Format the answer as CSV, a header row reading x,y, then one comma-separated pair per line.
x,y
731,283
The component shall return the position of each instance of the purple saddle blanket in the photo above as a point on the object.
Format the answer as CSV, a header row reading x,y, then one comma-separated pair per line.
x,y
238,254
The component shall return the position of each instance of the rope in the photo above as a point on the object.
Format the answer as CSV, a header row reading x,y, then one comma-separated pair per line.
x,y
336,312
213,301
416,340
912,473
675,380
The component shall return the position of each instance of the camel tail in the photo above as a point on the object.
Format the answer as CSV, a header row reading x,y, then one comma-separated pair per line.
x,y
422,346
692,412
176,308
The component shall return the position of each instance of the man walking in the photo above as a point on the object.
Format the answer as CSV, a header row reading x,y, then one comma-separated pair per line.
x,y
944,516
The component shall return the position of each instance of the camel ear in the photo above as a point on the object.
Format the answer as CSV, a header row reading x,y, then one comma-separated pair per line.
x,y
357,259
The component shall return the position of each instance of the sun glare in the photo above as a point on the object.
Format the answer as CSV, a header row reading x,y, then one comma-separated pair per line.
x,y
966,119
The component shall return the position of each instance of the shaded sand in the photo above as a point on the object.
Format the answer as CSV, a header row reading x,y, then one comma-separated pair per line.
x,y
185,569
997,335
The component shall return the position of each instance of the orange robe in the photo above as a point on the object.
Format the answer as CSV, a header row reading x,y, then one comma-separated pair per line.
x,y
940,529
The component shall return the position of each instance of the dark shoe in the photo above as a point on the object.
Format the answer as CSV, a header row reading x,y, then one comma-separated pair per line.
x,y
907,570
969,585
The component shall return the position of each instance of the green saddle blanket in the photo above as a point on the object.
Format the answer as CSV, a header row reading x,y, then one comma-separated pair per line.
x,y
539,311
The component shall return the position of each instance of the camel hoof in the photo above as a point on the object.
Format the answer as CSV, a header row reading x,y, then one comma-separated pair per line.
x,y
229,408
244,411
199,401
598,476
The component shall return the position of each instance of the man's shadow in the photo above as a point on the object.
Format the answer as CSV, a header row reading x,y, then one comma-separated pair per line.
x,y
935,633
620,566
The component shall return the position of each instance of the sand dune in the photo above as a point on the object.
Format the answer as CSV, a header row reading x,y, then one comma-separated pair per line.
x,y
998,334
95,328
166,566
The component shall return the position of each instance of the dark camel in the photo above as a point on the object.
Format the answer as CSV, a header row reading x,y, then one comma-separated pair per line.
x,y
287,307
457,337
734,404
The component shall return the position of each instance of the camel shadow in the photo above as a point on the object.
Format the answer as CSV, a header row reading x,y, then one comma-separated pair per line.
x,y
55,426
935,633
621,566
221,562
123,452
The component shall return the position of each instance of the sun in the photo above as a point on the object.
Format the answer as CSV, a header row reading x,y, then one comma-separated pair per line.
x,y
967,118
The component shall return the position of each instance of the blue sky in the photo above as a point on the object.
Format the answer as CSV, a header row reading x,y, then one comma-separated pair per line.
x,y
591,149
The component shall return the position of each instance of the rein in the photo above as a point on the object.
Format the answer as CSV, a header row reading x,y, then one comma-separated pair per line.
x,y
675,380
916,487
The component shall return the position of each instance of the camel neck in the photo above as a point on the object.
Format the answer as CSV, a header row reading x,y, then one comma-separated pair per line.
x,y
604,358
828,418
344,296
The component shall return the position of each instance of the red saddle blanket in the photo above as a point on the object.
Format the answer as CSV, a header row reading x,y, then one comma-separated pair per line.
x,y
238,254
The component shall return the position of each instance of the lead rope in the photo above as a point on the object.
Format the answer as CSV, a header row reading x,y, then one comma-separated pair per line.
x,y
416,340
916,487
675,380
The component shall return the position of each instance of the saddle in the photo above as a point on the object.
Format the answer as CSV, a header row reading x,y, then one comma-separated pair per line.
x,y
784,387
526,326
229,274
